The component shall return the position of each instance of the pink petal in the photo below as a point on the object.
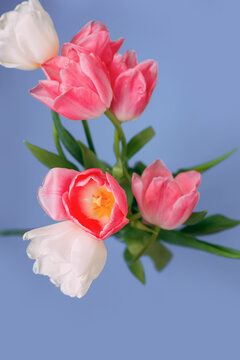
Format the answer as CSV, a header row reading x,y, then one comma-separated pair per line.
x,y
116,223
52,67
188,181
46,92
79,104
129,95
93,68
73,76
117,67
118,193
73,52
130,58
77,214
89,28
152,196
115,45
156,169
181,211
138,192
149,69
55,184
91,174
166,193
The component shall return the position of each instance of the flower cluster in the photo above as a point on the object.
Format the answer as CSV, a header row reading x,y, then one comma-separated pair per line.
x,y
88,79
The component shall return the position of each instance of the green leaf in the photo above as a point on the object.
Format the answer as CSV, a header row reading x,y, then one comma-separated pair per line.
x,y
13,232
117,170
136,268
67,139
136,240
90,160
48,158
196,217
160,255
211,225
128,190
181,239
139,140
208,165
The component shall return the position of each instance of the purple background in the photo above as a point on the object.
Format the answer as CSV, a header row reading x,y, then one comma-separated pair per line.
x,y
190,310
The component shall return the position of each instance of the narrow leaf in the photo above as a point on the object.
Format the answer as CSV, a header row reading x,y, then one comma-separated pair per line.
x,y
181,239
136,241
139,140
90,160
13,232
136,268
160,255
67,139
208,165
196,217
211,225
48,158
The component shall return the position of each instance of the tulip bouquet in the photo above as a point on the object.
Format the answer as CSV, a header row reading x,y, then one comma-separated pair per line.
x,y
143,206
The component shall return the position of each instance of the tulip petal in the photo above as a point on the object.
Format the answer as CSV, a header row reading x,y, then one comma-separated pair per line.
x,y
181,211
116,223
115,45
156,169
166,193
79,104
188,181
46,92
118,193
27,37
52,67
50,194
130,58
69,256
129,95
149,69
93,68
73,77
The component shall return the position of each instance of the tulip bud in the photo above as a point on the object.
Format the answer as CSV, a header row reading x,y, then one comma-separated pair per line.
x,y
163,200
27,37
132,85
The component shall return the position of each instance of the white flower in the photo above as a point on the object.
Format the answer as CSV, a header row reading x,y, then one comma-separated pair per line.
x,y
27,37
68,255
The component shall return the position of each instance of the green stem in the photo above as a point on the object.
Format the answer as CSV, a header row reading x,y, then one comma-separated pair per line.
x,y
147,246
116,145
57,142
135,217
121,135
88,136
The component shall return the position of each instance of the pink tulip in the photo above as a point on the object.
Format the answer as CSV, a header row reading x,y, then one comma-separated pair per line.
x,y
93,200
164,201
76,87
94,38
132,85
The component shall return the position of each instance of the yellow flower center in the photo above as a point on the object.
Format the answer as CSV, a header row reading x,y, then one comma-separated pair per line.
x,y
103,202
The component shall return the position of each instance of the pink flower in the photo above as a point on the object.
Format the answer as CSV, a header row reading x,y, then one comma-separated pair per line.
x,y
163,200
76,87
93,200
132,85
94,38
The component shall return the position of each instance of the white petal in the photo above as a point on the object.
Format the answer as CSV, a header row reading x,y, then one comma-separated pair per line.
x,y
68,255
27,37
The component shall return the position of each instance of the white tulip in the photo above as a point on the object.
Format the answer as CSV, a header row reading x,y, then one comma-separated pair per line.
x,y
27,37
68,255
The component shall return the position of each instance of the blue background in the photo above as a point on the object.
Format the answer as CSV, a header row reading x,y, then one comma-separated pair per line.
x,y
192,309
